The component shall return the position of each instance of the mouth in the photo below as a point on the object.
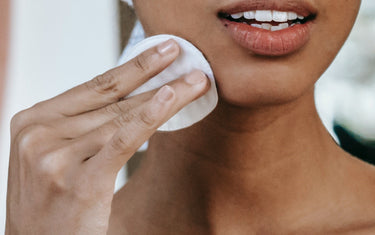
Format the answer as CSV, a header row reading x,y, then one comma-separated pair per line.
x,y
267,19
270,28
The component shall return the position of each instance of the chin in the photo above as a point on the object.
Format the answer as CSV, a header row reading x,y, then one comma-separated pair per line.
x,y
250,81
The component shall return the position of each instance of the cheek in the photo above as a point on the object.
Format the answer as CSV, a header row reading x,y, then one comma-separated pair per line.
x,y
178,17
335,23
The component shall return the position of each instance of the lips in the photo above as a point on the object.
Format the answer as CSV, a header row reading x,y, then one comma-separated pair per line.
x,y
249,23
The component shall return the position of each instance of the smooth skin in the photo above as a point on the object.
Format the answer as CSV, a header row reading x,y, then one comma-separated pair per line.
x,y
261,163
66,151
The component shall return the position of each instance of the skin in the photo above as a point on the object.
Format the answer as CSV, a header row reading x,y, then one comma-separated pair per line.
x,y
63,154
261,163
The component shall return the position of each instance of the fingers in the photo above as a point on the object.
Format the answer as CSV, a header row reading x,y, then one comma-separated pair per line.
x,y
116,83
73,127
76,126
130,131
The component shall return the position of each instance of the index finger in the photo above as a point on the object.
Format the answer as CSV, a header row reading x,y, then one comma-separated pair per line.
x,y
116,83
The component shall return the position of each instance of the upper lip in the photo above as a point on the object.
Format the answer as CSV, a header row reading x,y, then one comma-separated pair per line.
x,y
301,7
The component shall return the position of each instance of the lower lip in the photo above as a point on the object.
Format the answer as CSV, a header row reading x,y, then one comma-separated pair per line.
x,y
269,43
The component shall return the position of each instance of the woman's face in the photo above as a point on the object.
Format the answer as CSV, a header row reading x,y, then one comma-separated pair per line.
x,y
255,66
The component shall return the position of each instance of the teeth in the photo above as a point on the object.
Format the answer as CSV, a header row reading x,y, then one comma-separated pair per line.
x,y
269,16
250,15
284,26
265,16
279,16
292,16
280,27
266,26
275,28
237,15
270,27
256,25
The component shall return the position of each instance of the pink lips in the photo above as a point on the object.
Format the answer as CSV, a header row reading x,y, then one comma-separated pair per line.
x,y
265,42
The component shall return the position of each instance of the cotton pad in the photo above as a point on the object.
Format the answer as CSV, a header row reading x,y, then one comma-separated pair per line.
x,y
190,58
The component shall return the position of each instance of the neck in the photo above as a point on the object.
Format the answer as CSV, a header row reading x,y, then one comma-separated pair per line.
x,y
250,139
238,160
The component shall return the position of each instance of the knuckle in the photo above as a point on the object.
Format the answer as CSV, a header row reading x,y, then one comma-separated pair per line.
x,y
147,119
104,84
31,116
123,144
124,119
142,62
30,141
117,108
58,185
19,121
53,170
38,106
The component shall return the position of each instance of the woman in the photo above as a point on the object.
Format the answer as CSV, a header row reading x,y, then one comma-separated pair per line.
x,y
261,163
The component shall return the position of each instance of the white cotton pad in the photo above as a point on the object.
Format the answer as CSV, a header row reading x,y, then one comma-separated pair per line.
x,y
190,58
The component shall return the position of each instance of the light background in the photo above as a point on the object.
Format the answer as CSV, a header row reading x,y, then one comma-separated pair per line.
x,y
57,45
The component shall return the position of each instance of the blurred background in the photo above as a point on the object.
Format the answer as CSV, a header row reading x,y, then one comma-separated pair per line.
x,y
345,94
52,46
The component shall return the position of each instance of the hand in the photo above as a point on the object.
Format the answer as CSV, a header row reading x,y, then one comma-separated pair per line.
x,y
66,151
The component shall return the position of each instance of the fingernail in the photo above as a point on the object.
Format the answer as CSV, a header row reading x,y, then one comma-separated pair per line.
x,y
195,77
166,46
165,94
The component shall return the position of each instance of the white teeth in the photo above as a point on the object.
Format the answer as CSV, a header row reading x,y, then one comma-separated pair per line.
x,y
265,16
272,28
280,27
250,15
266,26
269,16
284,26
256,25
275,28
292,16
279,16
237,15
